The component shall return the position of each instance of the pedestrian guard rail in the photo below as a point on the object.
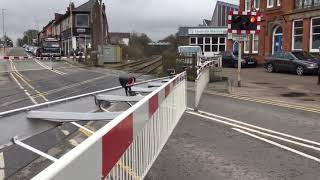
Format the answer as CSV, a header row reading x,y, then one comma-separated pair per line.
x,y
202,80
126,147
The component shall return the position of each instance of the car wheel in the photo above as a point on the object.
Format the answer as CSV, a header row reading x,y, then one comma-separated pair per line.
x,y
270,68
300,70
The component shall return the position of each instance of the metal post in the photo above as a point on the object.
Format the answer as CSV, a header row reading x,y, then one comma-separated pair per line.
x,y
239,64
101,21
71,26
4,34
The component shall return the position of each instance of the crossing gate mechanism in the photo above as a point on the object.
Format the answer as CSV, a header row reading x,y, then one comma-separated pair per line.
x,y
127,146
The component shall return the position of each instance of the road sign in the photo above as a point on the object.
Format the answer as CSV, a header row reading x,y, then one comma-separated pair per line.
x,y
238,37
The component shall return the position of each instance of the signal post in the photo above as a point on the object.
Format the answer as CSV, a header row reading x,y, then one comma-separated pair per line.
x,y
240,26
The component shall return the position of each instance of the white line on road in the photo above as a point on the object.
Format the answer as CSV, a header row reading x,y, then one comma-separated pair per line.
x,y
24,90
278,145
49,68
2,166
256,127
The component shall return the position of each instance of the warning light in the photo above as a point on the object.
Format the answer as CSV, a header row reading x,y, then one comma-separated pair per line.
x,y
253,19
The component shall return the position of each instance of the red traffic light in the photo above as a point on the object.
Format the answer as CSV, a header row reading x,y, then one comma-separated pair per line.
x,y
253,19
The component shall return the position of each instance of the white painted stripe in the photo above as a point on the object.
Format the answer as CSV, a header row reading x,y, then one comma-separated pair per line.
x,y
278,145
258,27
49,68
229,17
244,13
259,18
243,31
73,142
253,13
252,32
234,31
235,12
250,125
229,26
2,166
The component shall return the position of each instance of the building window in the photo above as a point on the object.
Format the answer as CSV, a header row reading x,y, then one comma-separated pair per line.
x,y
247,5
82,20
270,4
297,35
315,34
193,41
306,3
256,5
246,47
255,43
222,44
279,2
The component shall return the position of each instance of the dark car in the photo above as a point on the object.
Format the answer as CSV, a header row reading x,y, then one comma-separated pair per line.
x,y
231,60
296,62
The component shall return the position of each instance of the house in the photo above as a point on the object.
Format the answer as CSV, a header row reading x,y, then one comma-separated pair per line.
x,y
78,27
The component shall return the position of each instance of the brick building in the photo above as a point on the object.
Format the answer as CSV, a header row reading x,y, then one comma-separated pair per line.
x,y
85,30
287,25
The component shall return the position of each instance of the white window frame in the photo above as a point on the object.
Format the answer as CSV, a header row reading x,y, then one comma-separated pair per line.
x,y
246,2
311,35
76,20
278,2
253,46
292,36
257,6
191,44
246,51
270,5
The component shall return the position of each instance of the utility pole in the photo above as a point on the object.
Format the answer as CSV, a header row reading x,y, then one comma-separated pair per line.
x,y
101,21
4,34
71,21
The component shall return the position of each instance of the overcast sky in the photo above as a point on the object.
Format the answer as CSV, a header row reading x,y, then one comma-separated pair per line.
x,y
156,18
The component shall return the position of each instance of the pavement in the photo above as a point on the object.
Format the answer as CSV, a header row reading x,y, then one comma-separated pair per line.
x,y
232,138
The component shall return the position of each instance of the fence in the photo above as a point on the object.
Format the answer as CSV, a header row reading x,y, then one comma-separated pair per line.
x,y
202,80
127,146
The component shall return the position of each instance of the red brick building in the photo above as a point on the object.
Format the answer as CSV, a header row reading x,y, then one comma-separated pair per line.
x,y
80,29
287,25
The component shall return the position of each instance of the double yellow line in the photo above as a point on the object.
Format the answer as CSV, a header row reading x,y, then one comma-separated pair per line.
x,y
25,81
269,102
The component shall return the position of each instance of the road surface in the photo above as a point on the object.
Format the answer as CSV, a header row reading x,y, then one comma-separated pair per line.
x,y
207,146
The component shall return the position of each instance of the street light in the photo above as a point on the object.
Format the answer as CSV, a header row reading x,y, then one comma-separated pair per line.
x,y
4,34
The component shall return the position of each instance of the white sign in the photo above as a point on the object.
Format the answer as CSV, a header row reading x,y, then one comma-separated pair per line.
x,y
208,31
238,37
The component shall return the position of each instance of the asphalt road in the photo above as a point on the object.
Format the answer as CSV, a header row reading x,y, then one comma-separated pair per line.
x,y
205,146
29,82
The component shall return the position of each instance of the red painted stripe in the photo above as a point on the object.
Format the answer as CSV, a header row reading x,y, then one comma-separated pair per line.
x,y
6,57
174,82
229,30
115,143
229,21
167,90
249,13
153,105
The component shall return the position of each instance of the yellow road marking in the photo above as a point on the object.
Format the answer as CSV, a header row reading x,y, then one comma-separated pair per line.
x,y
25,81
87,133
129,171
269,102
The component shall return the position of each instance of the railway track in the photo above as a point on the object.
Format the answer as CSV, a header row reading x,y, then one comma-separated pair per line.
x,y
144,65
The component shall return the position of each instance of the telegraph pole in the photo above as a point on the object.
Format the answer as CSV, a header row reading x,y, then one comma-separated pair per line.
x,y
71,21
101,21
4,34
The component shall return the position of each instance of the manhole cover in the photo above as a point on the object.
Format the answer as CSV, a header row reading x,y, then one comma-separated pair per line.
x,y
294,94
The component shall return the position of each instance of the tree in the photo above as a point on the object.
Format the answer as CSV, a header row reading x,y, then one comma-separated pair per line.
x,y
28,37
138,46
8,41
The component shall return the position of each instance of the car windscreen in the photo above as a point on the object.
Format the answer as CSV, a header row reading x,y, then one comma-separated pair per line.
x,y
303,55
51,50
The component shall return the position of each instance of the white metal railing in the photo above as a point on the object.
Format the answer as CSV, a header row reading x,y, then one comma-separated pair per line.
x,y
126,147
202,80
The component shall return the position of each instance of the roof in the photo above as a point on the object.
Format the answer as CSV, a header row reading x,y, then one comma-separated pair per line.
x,y
86,6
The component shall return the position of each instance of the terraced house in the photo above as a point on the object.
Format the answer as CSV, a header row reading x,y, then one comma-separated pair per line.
x,y
287,25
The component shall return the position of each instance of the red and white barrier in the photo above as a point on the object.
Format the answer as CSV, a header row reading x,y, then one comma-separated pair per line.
x,y
15,57
126,147
202,80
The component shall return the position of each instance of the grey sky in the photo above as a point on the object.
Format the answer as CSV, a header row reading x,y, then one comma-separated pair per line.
x,y
157,18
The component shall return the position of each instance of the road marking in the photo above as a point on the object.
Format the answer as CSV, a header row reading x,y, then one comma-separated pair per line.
x,y
2,166
269,102
65,132
278,145
20,76
73,142
49,68
190,111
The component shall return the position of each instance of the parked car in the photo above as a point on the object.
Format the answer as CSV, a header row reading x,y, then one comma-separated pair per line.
x,y
295,62
231,60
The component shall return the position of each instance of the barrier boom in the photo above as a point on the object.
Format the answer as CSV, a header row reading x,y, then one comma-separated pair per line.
x,y
126,147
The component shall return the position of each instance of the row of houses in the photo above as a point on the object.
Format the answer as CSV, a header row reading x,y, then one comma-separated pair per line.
x,y
287,25
79,27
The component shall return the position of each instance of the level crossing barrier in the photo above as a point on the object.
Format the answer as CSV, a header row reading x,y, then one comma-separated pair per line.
x,y
202,80
127,146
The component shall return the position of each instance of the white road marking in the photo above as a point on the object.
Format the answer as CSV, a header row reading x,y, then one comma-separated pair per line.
x,y
25,91
256,127
278,145
49,68
73,142
2,166
65,132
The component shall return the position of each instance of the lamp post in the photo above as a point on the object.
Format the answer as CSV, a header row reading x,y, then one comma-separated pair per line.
x,y
4,34
71,25
101,21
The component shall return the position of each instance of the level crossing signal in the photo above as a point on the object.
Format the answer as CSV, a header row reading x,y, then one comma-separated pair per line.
x,y
244,22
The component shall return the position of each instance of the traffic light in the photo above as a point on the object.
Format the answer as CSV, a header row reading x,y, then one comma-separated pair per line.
x,y
244,22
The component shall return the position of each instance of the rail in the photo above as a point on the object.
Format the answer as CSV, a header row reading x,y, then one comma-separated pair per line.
x,y
126,147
